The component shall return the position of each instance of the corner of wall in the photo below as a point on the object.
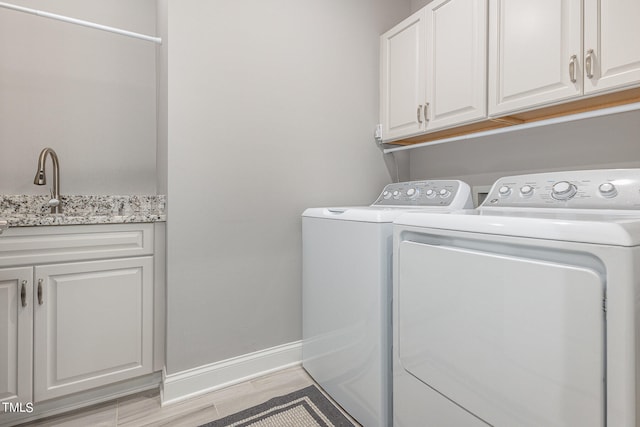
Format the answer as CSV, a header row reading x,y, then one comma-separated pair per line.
x,y
162,24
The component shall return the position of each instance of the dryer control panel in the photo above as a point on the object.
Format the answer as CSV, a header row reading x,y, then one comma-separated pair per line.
x,y
447,193
586,189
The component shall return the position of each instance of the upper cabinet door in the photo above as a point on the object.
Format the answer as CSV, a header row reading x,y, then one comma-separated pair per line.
x,y
402,83
535,53
456,62
611,44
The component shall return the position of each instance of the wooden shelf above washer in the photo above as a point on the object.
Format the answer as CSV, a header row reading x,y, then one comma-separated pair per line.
x,y
581,105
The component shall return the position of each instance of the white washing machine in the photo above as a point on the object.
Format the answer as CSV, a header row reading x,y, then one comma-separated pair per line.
x,y
524,312
346,293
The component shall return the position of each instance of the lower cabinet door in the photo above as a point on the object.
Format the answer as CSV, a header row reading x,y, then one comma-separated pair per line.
x,y
93,324
16,329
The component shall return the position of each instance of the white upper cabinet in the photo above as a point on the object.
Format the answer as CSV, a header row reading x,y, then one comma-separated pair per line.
x,y
535,53
456,62
433,69
611,44
402,82
459,62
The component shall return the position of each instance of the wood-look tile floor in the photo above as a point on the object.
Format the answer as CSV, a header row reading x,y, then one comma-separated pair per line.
x,y
143,409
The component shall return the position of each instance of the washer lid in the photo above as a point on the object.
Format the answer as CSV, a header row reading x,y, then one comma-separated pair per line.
x,y
588,226
367,213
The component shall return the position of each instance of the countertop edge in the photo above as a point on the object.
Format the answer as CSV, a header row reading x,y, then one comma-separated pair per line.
x,y
46,220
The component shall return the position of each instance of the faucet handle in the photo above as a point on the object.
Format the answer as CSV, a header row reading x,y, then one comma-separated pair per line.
x,y
53,202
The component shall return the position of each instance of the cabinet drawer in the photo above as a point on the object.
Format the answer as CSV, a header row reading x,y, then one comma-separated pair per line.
x,y
41,245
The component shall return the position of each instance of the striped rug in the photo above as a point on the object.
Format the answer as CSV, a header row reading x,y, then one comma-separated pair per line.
x,y
303,408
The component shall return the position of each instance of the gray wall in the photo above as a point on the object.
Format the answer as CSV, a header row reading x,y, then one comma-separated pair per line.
x,y
419,4
88,94
604,142
272,107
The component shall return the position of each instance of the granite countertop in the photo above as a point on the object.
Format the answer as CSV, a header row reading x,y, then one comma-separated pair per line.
x,y
33,210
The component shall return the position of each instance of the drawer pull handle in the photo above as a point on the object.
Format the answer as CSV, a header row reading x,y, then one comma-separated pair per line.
x,y
23,293
40,291
426,112
419,114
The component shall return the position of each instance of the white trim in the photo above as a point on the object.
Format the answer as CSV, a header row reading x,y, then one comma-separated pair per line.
x,y
207,378
530,125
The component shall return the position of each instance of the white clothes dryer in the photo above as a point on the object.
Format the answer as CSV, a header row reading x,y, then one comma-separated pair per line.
x,y
346,293
524,312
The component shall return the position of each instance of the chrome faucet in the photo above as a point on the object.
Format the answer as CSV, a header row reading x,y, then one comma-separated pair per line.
x,y
41,178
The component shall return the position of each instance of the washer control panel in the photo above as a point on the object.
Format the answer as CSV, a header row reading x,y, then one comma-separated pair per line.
x,y
588,189
451,193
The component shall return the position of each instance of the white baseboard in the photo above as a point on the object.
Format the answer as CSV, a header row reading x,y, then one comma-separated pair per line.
x,y
204,379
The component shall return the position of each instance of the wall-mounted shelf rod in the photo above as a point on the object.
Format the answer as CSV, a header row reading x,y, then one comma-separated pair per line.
x,y
81,22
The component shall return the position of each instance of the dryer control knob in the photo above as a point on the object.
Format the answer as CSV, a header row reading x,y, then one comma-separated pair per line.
x,y
526,190
386,194
608,190
563,190
396,194
504,191
444,193
430,193
412,193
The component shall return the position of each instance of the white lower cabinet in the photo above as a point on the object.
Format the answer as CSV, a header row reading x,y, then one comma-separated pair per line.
x,y
93,324
76,310
16,334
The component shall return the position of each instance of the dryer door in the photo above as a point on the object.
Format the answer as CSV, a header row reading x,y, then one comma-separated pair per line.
x,y
515,341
